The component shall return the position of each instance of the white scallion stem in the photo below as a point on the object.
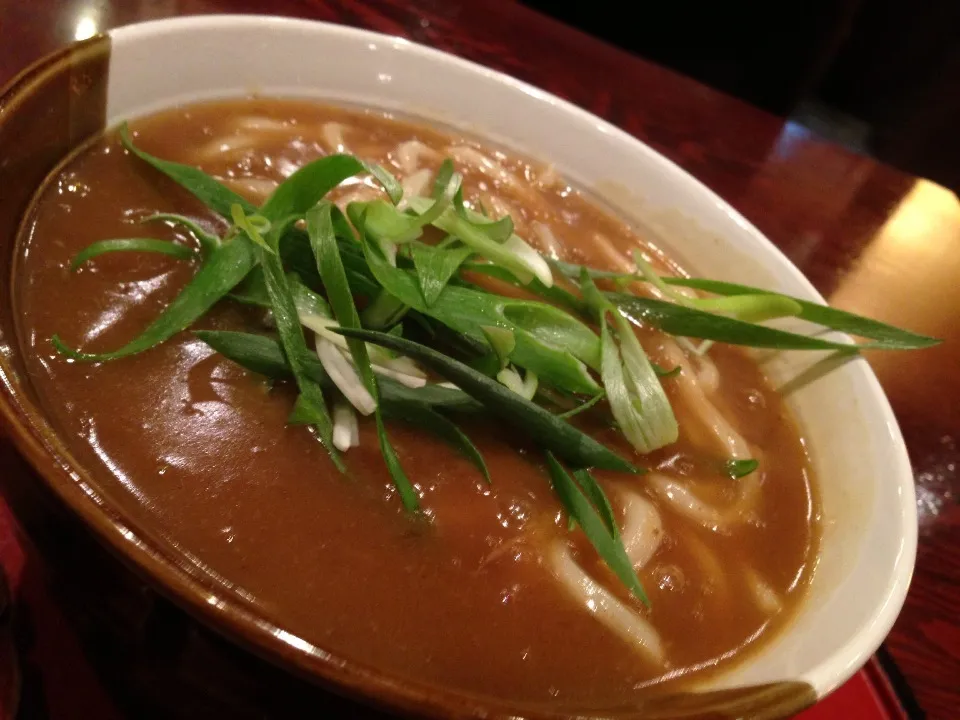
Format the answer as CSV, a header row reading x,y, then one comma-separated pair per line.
x,y
402,364
320,324
530,383
402,369
344,375
533,260
411,381
510,378
346,430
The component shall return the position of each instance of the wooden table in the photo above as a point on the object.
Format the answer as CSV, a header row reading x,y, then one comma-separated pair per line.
x,y
872,239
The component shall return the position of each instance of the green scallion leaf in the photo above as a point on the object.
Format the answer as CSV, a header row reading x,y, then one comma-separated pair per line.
x,y
330,266
497,230
208,241
312,408
147,245
308,185
206,189
583,406
637,399
217,276
252,228
408,495
386,222
736,469
435,266
750,308
574,271
885,336
689,322
599,500
424,417
524,267
664,373
553,294
503,342
549,341
608,547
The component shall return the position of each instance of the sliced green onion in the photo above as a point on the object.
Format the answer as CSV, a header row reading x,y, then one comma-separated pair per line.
x,y
502,340
664,373
311,408
308,185
518,257
689,322
637,399
386,222
608,546
569,443
497,230
320,229
737,469
208,242
553,294
148,245
424,417
217,276
346,429
435,266
599,500
264,355
885,336
525,387
751,308
344,375
583,407
252,225
554,352
206,189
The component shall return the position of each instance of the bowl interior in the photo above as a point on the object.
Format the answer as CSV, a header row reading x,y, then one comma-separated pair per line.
x,y
856,449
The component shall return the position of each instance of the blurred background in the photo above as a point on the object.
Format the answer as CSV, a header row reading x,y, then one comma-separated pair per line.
x,y
879,76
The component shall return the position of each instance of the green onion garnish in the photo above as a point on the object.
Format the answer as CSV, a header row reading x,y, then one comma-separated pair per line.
x,y
737,469
532,365
147,245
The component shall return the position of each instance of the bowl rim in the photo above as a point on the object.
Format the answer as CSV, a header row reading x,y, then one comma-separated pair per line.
x,y
267,639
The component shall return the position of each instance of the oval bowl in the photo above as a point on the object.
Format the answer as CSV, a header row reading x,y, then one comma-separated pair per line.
x,y
869,516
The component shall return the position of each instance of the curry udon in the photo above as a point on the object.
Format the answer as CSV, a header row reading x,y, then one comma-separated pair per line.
x,y
487,589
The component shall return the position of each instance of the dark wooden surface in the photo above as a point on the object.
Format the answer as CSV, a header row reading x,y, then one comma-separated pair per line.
x,y
871,238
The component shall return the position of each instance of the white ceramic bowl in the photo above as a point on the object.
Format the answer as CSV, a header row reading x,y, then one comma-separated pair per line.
x,y
866,486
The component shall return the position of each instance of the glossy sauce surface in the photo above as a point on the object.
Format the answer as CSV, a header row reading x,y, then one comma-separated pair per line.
x,y
201,448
